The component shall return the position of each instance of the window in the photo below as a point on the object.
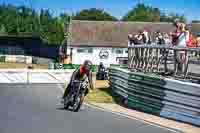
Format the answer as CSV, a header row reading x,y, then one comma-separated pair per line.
x,y
19,51
2,51
85,50
113,50
126,51
119,51
81,50
90,50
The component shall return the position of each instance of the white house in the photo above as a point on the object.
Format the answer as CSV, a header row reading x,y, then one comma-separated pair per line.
x,y
105,41
106,55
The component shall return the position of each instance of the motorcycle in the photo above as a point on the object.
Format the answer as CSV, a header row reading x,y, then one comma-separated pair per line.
x,y
76,96
102,74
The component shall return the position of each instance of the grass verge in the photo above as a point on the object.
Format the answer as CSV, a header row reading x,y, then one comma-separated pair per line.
x,y
102,93
22,65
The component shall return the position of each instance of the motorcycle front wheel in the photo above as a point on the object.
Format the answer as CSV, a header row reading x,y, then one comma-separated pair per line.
x,y
78,103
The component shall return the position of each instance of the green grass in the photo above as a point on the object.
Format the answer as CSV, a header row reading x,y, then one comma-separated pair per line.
x,y
99,96
102,93
22,65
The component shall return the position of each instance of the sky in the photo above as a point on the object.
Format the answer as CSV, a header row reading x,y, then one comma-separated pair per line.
x,y
117,8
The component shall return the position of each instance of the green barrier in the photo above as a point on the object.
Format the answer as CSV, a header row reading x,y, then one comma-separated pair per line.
x,y
154,94
51,66
143,105
72,66
120,66
68,66
2,58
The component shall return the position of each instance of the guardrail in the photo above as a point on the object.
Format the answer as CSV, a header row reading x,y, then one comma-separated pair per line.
x,y
155,58
27,76
157,95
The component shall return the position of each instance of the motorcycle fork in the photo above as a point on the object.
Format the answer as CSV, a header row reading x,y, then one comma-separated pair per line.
x,y
76,93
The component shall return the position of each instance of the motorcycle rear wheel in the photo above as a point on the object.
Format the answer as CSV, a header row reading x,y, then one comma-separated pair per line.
x,y
66,103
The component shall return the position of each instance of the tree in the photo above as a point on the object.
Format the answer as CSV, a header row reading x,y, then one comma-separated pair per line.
x,y
2,29
21,19
196,21
94,14
143,13
150,14
171,17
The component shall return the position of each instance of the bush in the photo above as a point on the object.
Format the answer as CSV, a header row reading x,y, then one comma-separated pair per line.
x,y
2,58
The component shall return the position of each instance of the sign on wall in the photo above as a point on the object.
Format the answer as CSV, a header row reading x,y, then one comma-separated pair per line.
x,y
104,54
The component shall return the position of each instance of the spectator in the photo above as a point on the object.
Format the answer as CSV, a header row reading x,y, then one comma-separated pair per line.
x,y
184,36
138,38
198,40
192,43
176,33
167,39
159,38
131,39
146,36
181,57
198,44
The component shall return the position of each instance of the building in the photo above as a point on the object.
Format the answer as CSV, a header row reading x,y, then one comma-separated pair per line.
x,y
107,55
195,28
25,48
104,41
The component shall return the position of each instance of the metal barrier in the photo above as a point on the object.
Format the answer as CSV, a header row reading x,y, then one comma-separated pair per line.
x,y
26,76
155,58
157,95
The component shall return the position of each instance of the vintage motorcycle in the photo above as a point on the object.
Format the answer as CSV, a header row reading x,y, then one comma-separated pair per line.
x,y
76,96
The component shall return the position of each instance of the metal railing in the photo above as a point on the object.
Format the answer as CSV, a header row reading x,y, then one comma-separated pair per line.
x,y
164,59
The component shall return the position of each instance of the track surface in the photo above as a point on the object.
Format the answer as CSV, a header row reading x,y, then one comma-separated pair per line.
x,y
35,108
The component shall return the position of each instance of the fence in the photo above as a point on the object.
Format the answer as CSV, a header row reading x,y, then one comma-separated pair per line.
x,y
155,58
157,95
25,76
16,59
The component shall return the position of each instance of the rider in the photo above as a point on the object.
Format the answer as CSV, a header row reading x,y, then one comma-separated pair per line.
x,y
80,74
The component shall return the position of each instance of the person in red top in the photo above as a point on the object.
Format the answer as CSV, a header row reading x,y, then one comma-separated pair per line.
x,y
81,74
175,35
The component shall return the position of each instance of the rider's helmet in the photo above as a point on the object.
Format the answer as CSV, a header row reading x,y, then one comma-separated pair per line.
x,y
88,65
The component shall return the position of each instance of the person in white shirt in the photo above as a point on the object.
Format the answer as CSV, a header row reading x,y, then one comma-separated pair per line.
x,y
182,56
146,36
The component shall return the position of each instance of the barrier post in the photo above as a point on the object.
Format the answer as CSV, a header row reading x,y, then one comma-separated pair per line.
x,y
27,76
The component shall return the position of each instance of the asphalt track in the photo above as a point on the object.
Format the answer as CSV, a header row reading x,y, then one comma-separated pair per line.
x,y
35,108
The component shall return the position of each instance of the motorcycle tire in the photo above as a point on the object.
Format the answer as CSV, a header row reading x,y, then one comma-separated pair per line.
x,y
66,104
76,108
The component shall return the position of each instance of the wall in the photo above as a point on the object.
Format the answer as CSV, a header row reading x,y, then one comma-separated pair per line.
x,y
195,28
40,60
17,59
79,58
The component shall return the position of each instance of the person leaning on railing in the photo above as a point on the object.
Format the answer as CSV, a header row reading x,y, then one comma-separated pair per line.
x,y
130,39
181,57
159,38
198,44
